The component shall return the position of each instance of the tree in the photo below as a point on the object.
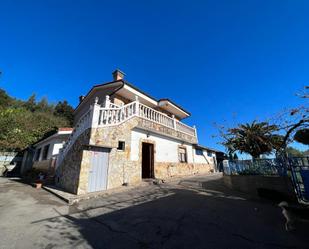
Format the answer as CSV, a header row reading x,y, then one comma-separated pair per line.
x,y
295,123
5,99
252,138
24,122
43,105
20,127
30,104
63,109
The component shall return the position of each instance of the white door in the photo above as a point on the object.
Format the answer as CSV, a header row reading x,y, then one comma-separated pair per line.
x,y
98,169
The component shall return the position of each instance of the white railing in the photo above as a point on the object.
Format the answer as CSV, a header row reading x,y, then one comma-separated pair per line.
x,y
112,114
83,124
155,116
185,128
115,116
112,105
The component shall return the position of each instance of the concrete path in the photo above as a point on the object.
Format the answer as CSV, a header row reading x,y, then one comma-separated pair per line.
x,y
196,212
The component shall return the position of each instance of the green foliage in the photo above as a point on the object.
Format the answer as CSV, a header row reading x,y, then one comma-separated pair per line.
x,y
30,104
255,139
5,99
43,106
24,122
63,109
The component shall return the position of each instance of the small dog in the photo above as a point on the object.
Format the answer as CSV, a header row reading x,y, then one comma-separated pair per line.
x,y
293,214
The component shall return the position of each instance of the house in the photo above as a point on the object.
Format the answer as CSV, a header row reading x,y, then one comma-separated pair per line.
x,y
42,154
214,156
123,135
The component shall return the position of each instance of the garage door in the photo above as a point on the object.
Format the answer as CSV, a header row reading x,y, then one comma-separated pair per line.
x,y
98,171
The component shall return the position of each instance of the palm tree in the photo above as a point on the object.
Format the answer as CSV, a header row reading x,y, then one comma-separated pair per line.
x,y
255,139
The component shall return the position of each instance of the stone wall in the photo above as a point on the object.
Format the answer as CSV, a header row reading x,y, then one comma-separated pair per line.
x,y
74,171
10,161
68,173
42,165
168,170
152,126
119,100
121,170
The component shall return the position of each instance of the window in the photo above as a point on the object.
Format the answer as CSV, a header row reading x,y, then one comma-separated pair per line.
x,y
45,152
209,153
121,145
199,152
37,155
182,155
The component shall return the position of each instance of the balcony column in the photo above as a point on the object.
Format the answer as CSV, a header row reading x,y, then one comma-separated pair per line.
x,y
137,106
107,101
95,113
174,122
195,132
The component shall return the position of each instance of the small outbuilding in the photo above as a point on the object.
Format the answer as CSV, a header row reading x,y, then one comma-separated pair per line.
x,y
42,154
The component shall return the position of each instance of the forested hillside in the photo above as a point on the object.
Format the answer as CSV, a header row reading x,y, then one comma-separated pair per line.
x,y
24,122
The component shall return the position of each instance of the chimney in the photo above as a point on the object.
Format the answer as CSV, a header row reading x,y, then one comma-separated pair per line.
x,y
118,75
81,98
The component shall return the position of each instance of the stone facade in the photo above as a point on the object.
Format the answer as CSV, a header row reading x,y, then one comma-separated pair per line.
x,y
74,171
68,173
151,126
121,170
168,170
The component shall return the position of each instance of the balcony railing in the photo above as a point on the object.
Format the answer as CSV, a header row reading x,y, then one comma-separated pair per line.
x,y
115,116
111,115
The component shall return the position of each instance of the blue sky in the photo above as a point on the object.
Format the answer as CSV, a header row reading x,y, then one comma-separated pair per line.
x,y
224,61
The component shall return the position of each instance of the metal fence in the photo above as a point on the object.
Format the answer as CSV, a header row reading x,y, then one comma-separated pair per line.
x,y
274,166
297,168
299,172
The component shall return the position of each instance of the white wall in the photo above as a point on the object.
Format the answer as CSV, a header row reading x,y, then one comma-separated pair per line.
x,y
166,148
204,158
57,146
54,146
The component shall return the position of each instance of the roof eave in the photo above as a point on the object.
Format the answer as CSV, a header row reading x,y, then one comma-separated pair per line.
x,y
95,87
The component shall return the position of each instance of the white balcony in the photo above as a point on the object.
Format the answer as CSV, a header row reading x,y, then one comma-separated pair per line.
x,y
111,115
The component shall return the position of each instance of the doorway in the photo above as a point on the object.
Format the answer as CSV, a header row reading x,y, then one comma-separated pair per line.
x,y
147,160
98,172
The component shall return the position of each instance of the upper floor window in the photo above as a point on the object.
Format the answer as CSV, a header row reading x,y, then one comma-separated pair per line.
x,y
199,152
37,154
182,154
209,153
45,152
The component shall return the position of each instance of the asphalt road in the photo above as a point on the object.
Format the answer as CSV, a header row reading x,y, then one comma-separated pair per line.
x,y
196,212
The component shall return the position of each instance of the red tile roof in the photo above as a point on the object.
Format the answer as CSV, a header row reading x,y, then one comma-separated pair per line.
x,y
65,129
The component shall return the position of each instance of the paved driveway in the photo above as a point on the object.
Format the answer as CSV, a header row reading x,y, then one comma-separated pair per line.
x,y
198,212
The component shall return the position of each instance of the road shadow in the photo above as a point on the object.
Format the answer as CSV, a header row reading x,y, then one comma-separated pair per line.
x,y
176,218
